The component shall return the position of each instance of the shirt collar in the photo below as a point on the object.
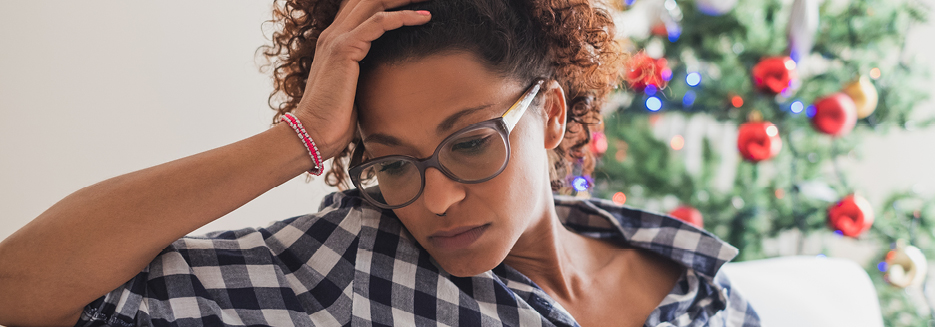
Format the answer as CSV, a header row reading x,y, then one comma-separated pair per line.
x,y
685,244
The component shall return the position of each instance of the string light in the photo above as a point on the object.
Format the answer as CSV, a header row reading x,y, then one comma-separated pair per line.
x,y
677,142
693,79
882,267
797,107
689,99
666,74
795,56
875,73
674,34
771,130
580,183
737,101
619,198
810,111
650,89
653,104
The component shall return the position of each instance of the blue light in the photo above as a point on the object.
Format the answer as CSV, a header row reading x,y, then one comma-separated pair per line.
x,y
693,79
580,183
674,34
653,104
821,256
839,233
797,107
882,266
689,99
810,111
795,56
650,89
630,2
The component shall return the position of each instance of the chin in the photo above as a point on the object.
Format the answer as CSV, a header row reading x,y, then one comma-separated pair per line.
x,y
471,262
465,268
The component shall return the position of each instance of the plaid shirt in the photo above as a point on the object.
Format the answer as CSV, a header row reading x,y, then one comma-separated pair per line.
x,y
353,264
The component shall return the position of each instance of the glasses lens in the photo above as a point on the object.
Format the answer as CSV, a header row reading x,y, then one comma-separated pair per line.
x,y
391,181
475,154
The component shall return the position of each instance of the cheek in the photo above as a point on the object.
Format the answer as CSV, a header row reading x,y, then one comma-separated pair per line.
x,y
516,194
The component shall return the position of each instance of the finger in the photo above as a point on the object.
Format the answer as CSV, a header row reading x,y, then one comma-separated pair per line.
x,y
364,9
379,23
346,7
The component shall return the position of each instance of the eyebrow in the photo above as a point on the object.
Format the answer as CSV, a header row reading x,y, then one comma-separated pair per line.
x,y
450,122
442,127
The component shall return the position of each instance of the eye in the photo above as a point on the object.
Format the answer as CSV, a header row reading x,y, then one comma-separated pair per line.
x,y
473,144
393,167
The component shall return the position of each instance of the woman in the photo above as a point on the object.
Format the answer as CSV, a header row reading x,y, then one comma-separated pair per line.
x,y
457,118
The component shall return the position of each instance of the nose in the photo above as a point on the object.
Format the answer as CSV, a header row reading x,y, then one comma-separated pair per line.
x,y
440,192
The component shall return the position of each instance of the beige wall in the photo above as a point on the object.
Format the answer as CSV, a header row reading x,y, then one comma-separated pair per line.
x,y
93,90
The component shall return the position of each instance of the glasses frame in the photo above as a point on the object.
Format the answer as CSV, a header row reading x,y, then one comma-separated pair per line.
x,y
503,124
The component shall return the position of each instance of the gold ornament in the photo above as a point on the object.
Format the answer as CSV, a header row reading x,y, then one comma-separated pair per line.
x,y
864,95
905,266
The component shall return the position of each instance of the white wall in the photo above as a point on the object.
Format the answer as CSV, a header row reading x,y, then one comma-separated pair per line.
x,y
93,90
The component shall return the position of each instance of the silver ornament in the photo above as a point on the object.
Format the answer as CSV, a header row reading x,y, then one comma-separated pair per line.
x,y
803,23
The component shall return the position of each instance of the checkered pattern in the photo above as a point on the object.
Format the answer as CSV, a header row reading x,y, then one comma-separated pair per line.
x,y
353,264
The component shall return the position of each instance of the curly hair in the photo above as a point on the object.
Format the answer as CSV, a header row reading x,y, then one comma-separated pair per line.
x,y
569,41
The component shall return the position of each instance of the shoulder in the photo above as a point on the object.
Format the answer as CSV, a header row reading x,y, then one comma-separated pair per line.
x,y
668,249
666,236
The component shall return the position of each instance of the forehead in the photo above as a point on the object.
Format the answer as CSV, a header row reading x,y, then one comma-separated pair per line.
x,y
409,100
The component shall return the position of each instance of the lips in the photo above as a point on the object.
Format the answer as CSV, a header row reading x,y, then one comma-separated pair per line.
x,y
458,238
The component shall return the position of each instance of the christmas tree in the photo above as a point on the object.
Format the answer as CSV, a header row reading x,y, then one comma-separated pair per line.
x,y
801,82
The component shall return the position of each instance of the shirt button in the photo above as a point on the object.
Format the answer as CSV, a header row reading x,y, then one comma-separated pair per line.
x,y
543,302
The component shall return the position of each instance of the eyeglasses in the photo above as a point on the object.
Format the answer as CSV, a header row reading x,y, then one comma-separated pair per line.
x,y
474,154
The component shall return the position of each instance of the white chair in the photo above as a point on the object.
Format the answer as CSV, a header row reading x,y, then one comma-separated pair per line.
x,y
807,291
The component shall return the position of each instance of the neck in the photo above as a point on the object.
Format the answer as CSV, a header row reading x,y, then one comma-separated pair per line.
x,y
559,261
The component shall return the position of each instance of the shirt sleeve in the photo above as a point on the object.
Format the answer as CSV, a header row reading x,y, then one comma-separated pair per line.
x,y
272,276
738,311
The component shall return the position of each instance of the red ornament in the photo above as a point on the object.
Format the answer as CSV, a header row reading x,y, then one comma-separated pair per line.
x,y
852,215
643,70
773,74
835,114
689,215
758,141
598,143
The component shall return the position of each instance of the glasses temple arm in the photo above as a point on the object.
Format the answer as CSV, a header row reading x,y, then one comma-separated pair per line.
x,y
512,115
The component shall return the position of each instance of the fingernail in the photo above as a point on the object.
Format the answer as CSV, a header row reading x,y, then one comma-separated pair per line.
x,y
423,12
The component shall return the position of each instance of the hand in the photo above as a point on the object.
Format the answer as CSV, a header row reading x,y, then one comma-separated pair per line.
x,y
327,107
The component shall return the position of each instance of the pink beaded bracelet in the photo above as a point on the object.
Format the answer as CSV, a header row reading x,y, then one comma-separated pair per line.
x,y
296,125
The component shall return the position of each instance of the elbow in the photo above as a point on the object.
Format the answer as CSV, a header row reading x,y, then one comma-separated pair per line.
x,y
16,313
23,303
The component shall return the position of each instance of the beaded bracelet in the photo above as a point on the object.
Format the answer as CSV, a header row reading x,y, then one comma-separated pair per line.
x,y
296,125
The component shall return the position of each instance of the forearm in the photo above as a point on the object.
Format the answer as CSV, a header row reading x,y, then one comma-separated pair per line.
x,y
99,237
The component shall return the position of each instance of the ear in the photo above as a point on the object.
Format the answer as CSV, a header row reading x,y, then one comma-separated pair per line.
x,y
554,109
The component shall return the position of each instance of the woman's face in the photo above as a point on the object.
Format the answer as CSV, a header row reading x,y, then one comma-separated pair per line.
x,y
401,107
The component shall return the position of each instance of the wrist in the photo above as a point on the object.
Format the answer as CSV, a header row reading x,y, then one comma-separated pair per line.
x,y
308,143
330,138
